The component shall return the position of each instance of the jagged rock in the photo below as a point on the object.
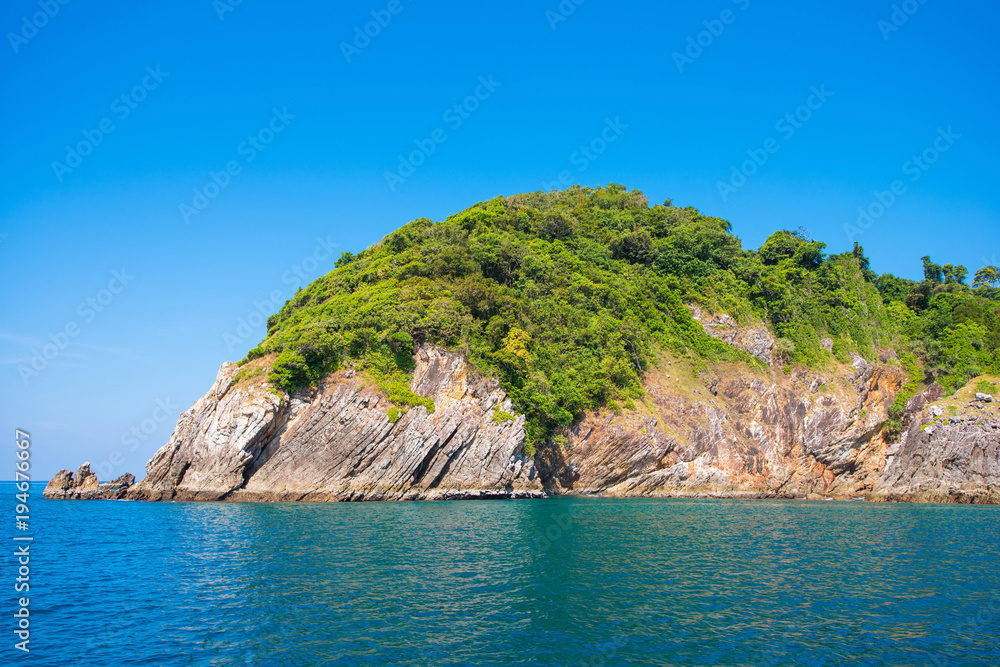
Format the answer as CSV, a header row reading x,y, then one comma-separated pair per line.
x,y
827,344
336,442
59,485
756,341
749,435
85,486
985,398
858,362
757,438
957,461
773,440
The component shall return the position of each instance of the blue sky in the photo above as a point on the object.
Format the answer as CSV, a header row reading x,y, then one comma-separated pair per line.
x,y
144,106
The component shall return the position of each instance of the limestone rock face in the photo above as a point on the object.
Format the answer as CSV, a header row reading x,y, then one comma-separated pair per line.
x,y
336,442
733,431
60,485
752,437
214,441
803,436
85,486
951,459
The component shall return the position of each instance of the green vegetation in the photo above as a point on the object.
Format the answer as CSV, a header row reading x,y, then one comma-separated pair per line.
x,y
499,417
396,386
248,373
567,296
893,426
986,387
292,370
952,329
394,414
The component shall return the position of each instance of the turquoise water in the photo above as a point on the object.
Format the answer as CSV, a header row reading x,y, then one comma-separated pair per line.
x,y
554,582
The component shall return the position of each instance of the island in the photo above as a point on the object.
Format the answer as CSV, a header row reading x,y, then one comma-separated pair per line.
x,y
585,342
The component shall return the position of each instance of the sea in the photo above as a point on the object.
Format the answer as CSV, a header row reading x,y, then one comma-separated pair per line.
x,y
563,581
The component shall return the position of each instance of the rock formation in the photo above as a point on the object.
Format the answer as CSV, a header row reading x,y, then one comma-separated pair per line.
x,y
242,441
756,341
942,459
85,486
730,431
741,435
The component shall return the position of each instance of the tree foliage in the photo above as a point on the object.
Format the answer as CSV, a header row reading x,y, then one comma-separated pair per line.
x,y
565,296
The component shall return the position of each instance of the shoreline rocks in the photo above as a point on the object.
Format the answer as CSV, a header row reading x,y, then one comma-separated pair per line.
x,y
337,441
84,485
729,432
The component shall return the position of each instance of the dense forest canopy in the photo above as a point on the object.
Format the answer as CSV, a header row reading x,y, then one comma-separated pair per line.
x,y
566,297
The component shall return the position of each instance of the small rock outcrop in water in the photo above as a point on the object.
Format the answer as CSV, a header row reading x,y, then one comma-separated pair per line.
x,y
85,486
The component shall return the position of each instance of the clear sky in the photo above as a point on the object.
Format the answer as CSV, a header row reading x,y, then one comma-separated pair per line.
x,y
121,119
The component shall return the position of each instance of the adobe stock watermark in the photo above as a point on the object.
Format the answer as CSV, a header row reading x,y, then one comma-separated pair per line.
x,y
363,36
22,514
248,149
555,531
983,624
696,44
587,153
31,25
915,168
122,106
88,309
603,654
223,7
302,271
899,17
787,126
454,116
562,13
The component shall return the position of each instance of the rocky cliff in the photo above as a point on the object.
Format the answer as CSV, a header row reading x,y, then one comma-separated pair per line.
x,y
742,432
807,435
734,430
243,441
943,458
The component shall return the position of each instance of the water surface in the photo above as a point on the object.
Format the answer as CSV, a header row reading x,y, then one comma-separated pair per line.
x,y
567,581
